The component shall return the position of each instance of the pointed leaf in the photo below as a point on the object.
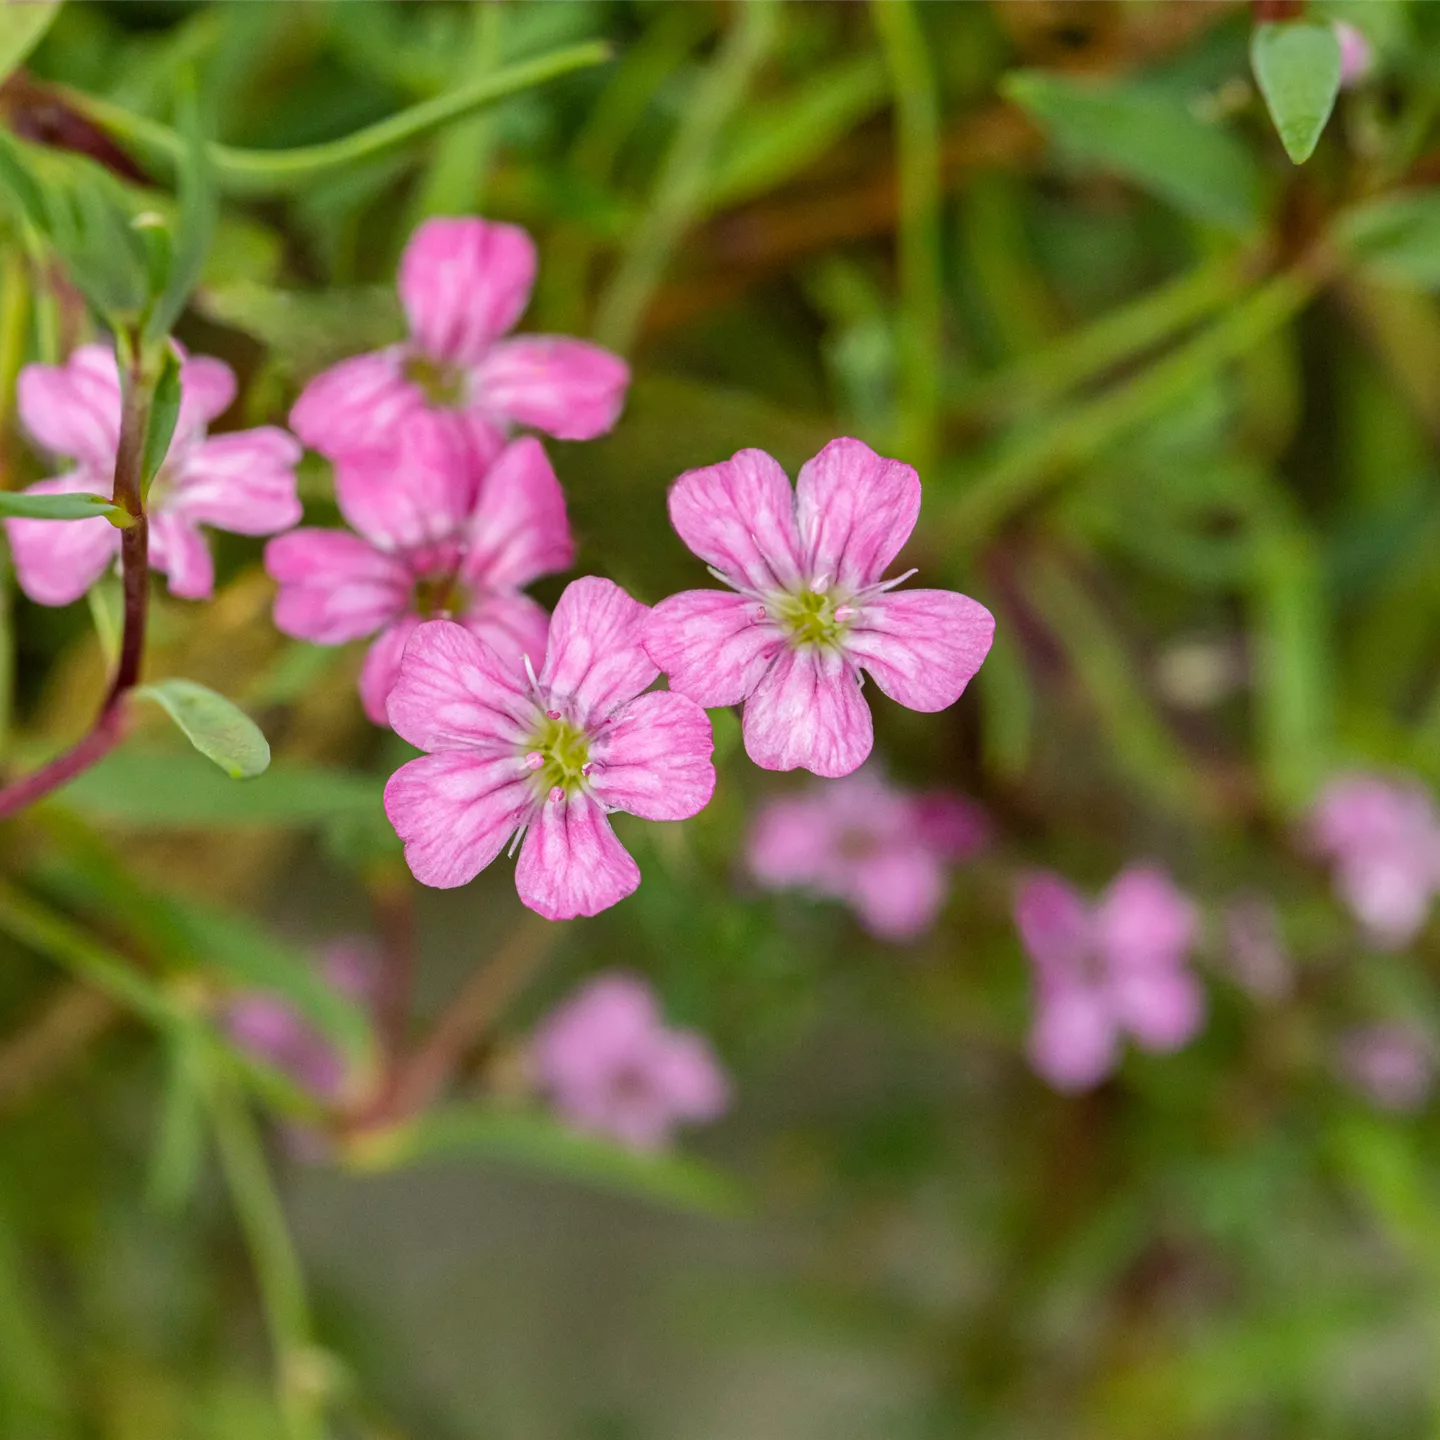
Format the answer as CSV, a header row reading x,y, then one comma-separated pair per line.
x,y
55,507
215,726
164,411
22,27
1297,65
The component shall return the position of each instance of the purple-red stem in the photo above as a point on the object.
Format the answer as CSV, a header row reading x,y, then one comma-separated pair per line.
x,y
109,724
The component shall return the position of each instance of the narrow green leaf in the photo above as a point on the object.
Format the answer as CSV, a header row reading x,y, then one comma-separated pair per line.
x,y
152,789
215,726
22,28
180,1144
1396,239
164,411
1297,66
538,1141
1149,136
55,507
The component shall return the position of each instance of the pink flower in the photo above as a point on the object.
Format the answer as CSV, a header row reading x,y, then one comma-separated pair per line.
x,y
1357,57
884,852
243,481
464,283
1390,1062
1383,839
547,757
430,543
612,1067
1104,970
811,610
266,1026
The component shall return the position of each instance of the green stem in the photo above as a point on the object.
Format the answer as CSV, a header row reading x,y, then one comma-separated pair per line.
x,y
917,138
271,172
680,188
1027,467
1117,336
300,1379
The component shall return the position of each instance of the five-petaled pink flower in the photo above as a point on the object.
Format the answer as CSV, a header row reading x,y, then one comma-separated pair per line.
x,y
883,851
244,481
271,1029
464,283
1383,838
612,1066
431,542
548,756
1104,970
811,610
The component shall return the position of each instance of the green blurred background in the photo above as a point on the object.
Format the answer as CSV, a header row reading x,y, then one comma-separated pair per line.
x,y
1174,400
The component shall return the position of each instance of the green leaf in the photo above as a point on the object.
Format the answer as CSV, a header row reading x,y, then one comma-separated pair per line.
x,y
55,507
1149,136
180,1145
1396,239
160,427
22,27
152,789
215,726
537,1141
1297,65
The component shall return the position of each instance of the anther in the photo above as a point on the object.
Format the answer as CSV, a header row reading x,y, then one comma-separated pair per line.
x,y
557,794
553,714
760,613
587,767
534,760
820,584
844,613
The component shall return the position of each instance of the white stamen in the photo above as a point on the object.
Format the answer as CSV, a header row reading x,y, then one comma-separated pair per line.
x,y
820,584
530,671
515,840
880,587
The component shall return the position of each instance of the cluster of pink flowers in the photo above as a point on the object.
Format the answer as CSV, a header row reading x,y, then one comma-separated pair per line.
x,y
1106,970
881,850
611,1066
1382,838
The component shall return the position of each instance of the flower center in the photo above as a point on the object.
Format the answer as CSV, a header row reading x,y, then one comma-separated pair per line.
x,y
443,384
559,755
813,616
440,593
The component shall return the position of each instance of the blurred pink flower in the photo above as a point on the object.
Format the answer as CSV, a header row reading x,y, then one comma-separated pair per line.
x,y
265,1026
1356,54
243,481
548,757
880,849
1104,970
1390,1062
811,610
611,1066
464,282
430,542
1383,839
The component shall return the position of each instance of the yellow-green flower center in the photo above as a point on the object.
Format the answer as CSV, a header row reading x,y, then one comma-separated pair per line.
x,y
441,594
813,617
443,384
559,755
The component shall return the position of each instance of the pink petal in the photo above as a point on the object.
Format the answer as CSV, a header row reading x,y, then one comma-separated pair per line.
x,y
464,282
855,510
519,530
359,404
207,390
604,1026
382,666
921,646
1144,922
653,759
713,646
179,550
1055,927
416,492
739,516
897,893
567,388
571,863
1387,891
687,1074
74,409
1162,1010
243,482
596,660
1073,1041
454,692
953,827
513,626
807,711
455,811
57,561
334,586
791,842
